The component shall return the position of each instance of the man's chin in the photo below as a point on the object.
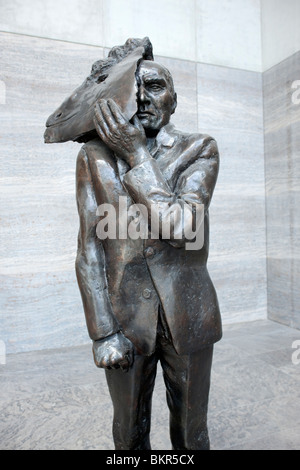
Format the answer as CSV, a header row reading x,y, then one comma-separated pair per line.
x,y
144,120
149,126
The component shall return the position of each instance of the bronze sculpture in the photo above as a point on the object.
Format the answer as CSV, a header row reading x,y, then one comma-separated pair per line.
x,y
146,299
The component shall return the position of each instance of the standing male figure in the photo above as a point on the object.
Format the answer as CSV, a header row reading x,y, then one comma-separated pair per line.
x,y
149,300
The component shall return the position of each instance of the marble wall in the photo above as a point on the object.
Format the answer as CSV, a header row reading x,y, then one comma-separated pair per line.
x,y
280,30
40,303
282,155
230,109
207,31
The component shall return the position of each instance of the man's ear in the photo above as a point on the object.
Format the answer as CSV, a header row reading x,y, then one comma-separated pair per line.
x,y
174,103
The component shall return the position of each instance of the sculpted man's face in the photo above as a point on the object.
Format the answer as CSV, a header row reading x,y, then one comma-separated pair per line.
x,y
156,97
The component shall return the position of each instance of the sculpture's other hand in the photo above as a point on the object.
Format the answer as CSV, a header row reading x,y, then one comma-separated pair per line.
x,y
127,141
113,352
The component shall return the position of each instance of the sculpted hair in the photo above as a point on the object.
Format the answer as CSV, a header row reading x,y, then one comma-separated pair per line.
x,y
100,69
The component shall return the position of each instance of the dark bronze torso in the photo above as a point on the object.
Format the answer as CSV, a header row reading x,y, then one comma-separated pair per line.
x,y
142,273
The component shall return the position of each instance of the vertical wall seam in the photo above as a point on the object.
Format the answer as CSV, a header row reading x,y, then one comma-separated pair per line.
x,y
264,151
261,38
196,59
102,25
265,184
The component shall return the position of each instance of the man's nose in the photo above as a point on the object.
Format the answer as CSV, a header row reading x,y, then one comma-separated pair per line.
x,y
143,95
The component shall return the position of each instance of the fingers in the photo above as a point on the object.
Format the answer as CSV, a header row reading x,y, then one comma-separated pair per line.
x,y
109,122
137,123
113,353
115,361
100,125
109,113
116,112
107,118
101,119
127,362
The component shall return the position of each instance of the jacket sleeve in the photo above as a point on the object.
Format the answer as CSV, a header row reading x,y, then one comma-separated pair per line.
x,y
90,261
178,209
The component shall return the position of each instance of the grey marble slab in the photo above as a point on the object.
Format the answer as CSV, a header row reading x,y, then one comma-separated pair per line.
x,y
184,75
40,302
282,359
76,21
62,419
282,169
57,399
229,98
242,427
253,363
255,388
284,439
255,328
249,382
230,109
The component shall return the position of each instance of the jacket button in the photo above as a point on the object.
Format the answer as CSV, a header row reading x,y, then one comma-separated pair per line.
x,y
149,252
147,293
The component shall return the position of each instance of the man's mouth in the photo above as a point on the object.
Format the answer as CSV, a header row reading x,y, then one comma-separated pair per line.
x,y
142,114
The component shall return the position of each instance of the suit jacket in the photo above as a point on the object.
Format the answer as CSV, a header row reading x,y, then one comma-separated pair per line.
x,y
122,281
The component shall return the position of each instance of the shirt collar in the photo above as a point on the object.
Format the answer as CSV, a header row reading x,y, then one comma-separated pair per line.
x,y
165,137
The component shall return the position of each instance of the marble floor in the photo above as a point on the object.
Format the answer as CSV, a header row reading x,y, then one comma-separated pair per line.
x,y
57,399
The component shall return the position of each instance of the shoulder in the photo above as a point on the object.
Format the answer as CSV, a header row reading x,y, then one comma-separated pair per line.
x,y
91,147
195,143
94,151
193,152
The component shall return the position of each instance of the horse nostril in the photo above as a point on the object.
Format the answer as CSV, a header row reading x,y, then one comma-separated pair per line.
x,y
58,115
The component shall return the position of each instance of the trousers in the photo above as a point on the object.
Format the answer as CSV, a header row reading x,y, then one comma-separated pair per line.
x,y
187,381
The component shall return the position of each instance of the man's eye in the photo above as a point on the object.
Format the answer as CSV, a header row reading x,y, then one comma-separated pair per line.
x,y
154,87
